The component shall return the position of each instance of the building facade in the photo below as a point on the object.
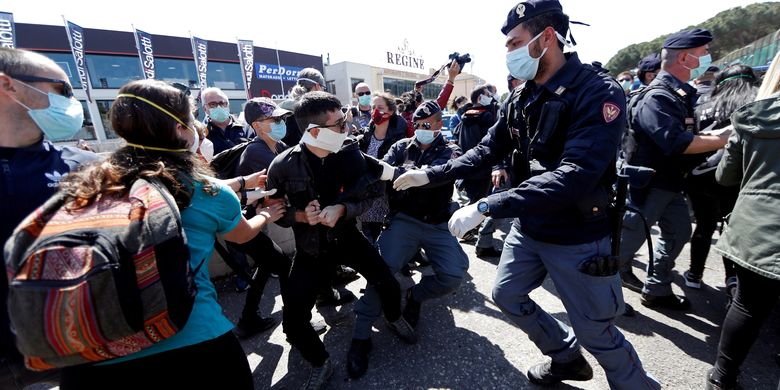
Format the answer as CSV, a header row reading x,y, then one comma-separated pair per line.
x,y
112,60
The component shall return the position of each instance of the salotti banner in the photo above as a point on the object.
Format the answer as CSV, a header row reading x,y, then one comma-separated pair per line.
x,y
143,42
200,50
76,39
7,32
246,54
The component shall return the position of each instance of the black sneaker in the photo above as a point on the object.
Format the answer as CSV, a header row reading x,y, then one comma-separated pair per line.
x,y
411,310
551,372
717,384
357,358
631,282
345,275
691,280
252,325
403,330
672,301
319,376
338,298
488,252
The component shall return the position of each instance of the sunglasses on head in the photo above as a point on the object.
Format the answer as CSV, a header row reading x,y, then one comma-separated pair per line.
x,y
363,93
67,90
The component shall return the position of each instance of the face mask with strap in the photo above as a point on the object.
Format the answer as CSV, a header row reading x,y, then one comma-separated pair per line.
x,y
155,105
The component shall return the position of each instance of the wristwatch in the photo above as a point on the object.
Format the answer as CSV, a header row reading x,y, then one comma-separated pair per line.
x,y
483,207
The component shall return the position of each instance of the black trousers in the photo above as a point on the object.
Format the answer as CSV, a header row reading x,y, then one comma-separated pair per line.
x,y
270,259
215,364
710,202
755,299
310,274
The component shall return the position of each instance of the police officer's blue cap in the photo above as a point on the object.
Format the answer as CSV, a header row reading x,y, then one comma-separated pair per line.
x,y
650,63
427,109
527,10
688,39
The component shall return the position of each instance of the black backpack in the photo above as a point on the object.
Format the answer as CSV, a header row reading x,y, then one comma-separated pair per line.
x,y
225,162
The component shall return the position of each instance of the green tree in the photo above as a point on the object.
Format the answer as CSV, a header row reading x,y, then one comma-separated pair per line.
x,y
732,30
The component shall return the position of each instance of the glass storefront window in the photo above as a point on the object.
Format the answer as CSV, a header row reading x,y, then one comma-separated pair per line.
x,y
225,75
65,61
103,107
108,71
176,71
398,86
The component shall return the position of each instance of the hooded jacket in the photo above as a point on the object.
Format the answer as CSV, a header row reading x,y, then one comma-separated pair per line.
x,y
752,161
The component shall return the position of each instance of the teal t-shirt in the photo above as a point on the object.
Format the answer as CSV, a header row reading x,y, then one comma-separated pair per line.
x,y
207,216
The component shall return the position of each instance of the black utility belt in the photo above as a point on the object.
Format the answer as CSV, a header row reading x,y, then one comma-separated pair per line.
x,y
432,219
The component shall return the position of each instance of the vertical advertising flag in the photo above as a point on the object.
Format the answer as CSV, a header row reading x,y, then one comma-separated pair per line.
x,y
143,42
7,32
200,51
246,53
76,39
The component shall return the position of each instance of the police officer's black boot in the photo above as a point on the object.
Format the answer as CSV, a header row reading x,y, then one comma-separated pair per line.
x,y
551,372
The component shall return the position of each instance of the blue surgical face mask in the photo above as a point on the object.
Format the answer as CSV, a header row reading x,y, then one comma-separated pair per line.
x,y
520,63
704,63
278,130
425,136
626,85
61,120
364,100
219,114
485,100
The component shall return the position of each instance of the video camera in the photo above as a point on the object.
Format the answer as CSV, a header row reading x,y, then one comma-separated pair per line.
x,y
460,59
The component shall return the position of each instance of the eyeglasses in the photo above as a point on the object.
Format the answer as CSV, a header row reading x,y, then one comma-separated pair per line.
x,y
423,125
275,120
363,93
67,90
341,124
624,79
221,103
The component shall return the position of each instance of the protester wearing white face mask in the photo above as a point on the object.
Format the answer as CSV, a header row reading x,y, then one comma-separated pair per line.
x,y
224,131
327,182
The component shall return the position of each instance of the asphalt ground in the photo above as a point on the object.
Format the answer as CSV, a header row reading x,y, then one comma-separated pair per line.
x,y
467,343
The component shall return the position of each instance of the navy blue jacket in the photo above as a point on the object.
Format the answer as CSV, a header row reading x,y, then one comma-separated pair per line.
x,y
28,177
231,136
570,154
663,121
430,203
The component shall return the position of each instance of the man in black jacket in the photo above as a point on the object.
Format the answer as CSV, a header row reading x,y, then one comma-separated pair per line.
x,y
419,219
327,183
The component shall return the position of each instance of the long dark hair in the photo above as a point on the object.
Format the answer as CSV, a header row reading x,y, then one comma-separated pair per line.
x,y
139,122
734,87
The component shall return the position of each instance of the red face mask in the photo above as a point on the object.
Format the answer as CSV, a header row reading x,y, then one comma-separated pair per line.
x,y
379,117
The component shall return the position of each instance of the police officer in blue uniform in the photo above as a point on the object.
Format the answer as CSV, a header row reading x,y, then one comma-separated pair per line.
x,y
418,219
662,121
36,100
647,69
562,130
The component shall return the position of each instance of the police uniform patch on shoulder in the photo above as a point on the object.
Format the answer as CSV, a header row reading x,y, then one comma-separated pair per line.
x,y
610,111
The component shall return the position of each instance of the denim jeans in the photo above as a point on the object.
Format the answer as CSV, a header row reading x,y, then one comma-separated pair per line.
x,y
397,244
591,302
670,211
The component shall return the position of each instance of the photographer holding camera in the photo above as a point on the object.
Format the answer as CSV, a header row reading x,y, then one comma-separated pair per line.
x,y
410,100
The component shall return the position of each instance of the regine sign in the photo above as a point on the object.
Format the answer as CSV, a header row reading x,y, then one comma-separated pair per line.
x,y
405,56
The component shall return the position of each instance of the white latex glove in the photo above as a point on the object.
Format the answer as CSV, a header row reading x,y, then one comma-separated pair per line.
x,y
465,219
253,196
388,171
412,178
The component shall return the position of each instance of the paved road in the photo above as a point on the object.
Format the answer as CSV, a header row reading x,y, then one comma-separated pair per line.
x,y
466,343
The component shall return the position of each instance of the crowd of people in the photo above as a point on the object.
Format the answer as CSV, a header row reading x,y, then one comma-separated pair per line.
x,y
369,190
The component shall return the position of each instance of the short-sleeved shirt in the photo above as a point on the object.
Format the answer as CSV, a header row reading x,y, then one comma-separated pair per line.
x,y
207,216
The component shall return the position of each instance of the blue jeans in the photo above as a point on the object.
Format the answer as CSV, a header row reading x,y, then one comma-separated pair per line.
x,y
670,211
397,245
591,303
